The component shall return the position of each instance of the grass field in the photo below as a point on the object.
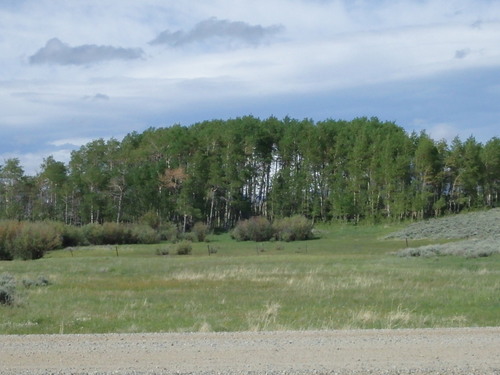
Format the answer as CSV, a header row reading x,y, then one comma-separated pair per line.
x,y
346,278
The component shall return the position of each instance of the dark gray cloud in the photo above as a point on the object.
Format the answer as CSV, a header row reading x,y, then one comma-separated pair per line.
x,y
224,31
57,52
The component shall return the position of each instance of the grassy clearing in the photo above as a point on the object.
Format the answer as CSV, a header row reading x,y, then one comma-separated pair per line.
x,y
345,279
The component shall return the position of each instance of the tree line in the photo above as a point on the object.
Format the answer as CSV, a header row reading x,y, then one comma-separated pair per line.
x,y
222,171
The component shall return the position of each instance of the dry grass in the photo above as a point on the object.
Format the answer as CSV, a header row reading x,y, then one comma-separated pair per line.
x,y
265,319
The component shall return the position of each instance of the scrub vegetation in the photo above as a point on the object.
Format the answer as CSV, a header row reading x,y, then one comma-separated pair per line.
x,y
474,235
346,277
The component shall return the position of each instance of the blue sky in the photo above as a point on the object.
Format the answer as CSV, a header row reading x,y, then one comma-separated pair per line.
x,y
74,71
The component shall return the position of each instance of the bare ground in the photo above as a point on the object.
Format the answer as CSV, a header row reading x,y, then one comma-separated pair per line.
x,y
409,351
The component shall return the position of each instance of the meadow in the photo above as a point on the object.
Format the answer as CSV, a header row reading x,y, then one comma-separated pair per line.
x,y
347,277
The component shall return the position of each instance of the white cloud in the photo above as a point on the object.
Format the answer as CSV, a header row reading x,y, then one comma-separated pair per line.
x,y
30,162
443,131
76,142
323,47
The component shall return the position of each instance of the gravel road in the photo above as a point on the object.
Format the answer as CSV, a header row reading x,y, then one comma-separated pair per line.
x,y
424,351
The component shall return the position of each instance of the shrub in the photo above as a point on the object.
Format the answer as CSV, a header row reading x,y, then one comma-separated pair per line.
x,y
72,236
201,231
9,230
93,234
295,228
7,289
28,240
144,234
189,236
257,229
184,248
162,251
35,239
468,225
473,248
150,218
115,234
212,250
40,281
169,232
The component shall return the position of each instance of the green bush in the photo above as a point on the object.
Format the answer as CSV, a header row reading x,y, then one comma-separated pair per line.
x,y
200,230
35,239
9,230
31,240
189,236
93,234
184,248
169,232
115,234
295,228
162,251
257,228
28,240
144,234
72,236
7,289
150,218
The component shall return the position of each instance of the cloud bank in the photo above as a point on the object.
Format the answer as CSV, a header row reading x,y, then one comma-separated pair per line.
x,y
222,31
57,52
435,61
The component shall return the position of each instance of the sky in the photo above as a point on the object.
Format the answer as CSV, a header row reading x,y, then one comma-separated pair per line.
x,y
75,71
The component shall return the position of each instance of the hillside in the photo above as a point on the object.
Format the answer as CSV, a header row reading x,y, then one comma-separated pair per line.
x,y
477,234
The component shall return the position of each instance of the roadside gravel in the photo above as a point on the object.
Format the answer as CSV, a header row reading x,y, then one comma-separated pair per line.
x,y
458,351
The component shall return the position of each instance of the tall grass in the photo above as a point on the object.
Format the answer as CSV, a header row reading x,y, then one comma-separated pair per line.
x,y
345,279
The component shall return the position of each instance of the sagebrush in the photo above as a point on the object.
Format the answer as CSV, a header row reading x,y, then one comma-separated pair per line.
x,y
7,289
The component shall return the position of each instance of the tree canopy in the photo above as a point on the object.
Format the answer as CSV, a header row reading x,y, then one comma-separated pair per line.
x,y
220,172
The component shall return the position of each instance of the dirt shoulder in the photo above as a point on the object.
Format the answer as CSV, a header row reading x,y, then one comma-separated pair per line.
x,y
423,351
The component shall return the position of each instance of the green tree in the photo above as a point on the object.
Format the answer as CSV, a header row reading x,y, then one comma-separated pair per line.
x,y
473,173
53,199
12,189
427,179
90,171
490,157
